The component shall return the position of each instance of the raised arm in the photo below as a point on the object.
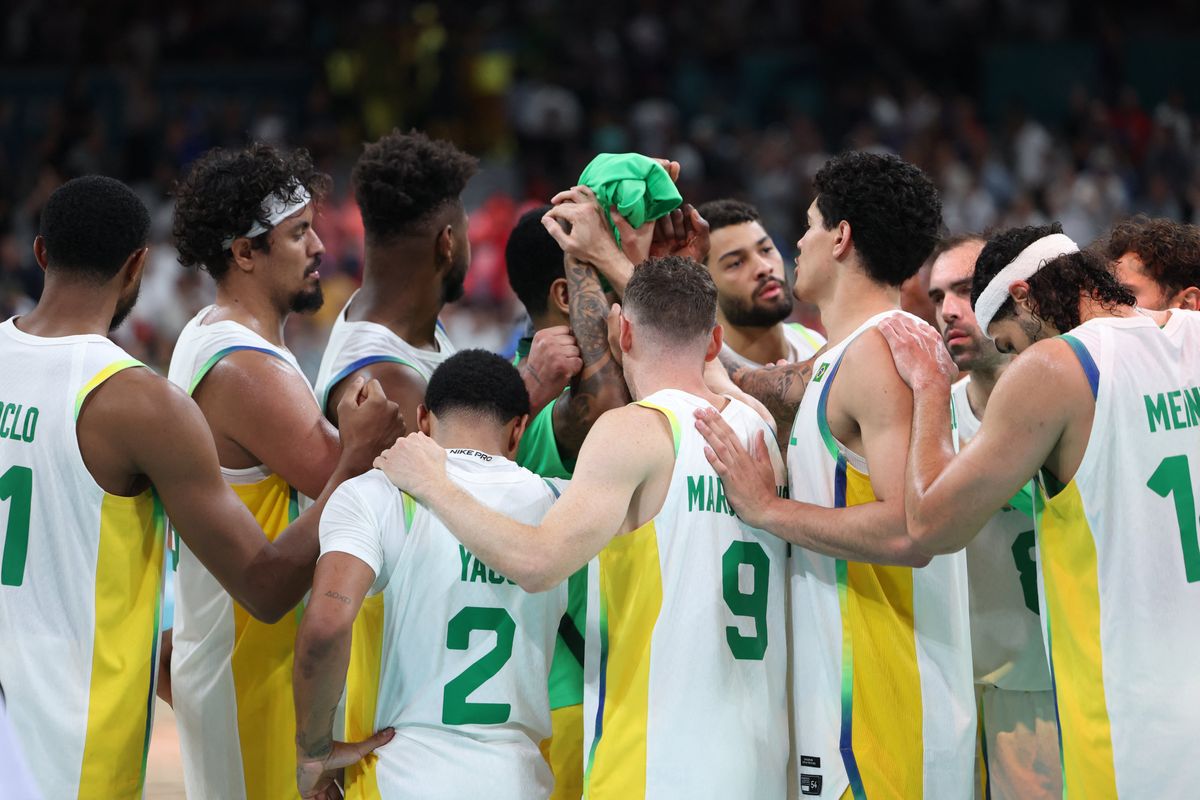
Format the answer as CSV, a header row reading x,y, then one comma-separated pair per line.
x,y
600,386
948,498
624,449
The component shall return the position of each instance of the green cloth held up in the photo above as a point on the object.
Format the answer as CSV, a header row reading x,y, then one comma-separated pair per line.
x,y
638,186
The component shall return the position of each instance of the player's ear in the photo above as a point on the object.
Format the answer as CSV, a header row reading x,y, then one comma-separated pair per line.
x,y
243,254
845,238
134,266
39,251
1188,299
715,340
625,335
443,246
1019,291
424,420
516,429
560,296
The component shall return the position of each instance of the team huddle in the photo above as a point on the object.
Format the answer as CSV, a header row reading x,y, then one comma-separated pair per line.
x,y
678,548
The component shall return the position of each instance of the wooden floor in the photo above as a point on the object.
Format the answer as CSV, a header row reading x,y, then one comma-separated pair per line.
x,y
164,769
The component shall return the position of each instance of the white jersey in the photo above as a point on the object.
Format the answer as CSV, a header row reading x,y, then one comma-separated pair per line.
x,y
1006,629
685,665
354,345
882,693
463,653
232,674
1119,562
80,578
802,344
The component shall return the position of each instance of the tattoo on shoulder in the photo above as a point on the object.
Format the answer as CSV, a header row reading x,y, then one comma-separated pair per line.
x,y
338,596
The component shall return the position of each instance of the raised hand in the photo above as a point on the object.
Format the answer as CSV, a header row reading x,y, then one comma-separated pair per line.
x,y
554,359
918,351
368,422
683,233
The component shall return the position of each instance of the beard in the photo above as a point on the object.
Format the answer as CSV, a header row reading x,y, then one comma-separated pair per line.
x,y
124,307
454,284
751,314
308,300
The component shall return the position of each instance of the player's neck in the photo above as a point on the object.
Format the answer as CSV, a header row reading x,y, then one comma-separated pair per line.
x,y
656,374
246,306
69,309
1090,308
980,387
853,300
406,301
463,435
760,345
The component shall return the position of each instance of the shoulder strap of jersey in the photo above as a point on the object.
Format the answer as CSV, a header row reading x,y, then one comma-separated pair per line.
x,y
1086,361
671,418
100,377
807,335
220,354
355,366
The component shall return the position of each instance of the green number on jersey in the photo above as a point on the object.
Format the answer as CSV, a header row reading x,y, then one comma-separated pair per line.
x,y
17,485
754,604
1174,477
455,708
1026,568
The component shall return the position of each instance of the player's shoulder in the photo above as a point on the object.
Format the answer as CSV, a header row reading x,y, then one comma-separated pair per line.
x,y
138,393
372,489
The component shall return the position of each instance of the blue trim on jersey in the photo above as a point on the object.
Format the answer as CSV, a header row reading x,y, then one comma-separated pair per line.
x,y
1086,361
365,361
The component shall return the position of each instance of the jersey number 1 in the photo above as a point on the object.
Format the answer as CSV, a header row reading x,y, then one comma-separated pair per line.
x,y
1174,477
455,708
16,485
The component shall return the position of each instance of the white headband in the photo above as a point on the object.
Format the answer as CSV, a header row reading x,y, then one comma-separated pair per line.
x,y
1021,268
275,208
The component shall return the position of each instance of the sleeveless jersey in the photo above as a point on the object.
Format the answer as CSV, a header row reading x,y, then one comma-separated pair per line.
x,y
686,665
354,345
1006,628
461,653
80,578
1120,565
882,691
232,674
802,343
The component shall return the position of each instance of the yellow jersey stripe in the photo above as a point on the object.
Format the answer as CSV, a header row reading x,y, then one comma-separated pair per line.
x,y
120,699
362,694
631,599
100,377
1068,553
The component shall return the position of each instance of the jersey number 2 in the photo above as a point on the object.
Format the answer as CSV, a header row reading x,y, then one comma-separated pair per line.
x,y
1174,477
455,708
751,604
16,485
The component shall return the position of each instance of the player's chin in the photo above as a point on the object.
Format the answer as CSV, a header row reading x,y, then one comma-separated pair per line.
x,y
309,299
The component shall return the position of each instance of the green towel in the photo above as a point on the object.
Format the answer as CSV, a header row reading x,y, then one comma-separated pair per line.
x,y
638,186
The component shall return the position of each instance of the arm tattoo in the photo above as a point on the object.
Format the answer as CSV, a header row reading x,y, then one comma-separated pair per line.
x,y
601,379
338,596
780,389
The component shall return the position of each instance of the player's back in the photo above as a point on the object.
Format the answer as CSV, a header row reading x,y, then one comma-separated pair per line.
x,y
463,653
1120,565
80,577
686,665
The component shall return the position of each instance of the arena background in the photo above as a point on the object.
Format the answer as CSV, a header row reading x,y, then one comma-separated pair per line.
x,y
1020,110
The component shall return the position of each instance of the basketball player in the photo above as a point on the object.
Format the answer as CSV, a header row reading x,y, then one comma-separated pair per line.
x,y
685,664
1103,407
1018,754
465,653
881,658
247,218
96,451
1158,260
753,298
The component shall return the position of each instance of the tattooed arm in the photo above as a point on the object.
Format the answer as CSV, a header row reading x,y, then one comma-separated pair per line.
x,y
600,385
779,388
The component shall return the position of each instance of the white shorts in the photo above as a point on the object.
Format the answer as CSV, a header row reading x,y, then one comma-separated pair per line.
x,y
1019,754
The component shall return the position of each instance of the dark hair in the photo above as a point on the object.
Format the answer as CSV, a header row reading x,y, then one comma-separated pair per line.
x,y
893,209
723,213
477,382
1169,250
999,252
1056,288
947,243
222,195
403,179
91,225
534,261
674,297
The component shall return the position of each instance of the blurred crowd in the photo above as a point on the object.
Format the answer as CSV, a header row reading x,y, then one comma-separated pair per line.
x,y
750,97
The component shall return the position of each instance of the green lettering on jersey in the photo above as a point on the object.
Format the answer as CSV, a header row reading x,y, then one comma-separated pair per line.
x,y
1156,411
494,577
1192,396
464,555
695,492
1176,409
711,496
14,425
478,572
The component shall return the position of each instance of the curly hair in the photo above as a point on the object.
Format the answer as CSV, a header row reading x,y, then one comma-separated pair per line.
x,y
1055,289
534,261
893,209
222,196
674,297
403,179
723,213
1169,250
477,382
91,225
